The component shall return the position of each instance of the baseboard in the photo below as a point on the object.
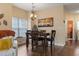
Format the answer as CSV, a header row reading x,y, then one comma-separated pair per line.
x,y
59,44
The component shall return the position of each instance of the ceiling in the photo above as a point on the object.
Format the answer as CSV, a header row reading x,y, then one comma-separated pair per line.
x,y
71,7
38,6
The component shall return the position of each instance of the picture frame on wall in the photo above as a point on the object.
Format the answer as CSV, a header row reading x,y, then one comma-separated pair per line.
x,y
5,22
45,22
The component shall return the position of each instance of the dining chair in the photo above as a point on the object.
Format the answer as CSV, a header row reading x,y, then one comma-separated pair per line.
x,y
52,40
28,37
35,39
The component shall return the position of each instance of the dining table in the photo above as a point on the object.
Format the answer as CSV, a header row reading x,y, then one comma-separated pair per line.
x,y
41,34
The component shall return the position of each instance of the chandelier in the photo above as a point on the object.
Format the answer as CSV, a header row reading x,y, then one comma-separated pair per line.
x,y
33,14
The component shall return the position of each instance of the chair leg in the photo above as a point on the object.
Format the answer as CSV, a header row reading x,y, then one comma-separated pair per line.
x,y
36,45
32,45
43,44
54,47
27,41
51,48
44,50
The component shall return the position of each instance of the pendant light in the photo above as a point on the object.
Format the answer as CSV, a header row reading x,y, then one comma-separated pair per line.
x,y
33,14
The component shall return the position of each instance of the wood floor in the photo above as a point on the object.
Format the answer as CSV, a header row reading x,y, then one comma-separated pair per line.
x,y
70,49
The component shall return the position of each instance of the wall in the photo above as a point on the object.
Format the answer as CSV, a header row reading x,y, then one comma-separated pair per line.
x,y
9,10
57,12
29,21
6,9
19,12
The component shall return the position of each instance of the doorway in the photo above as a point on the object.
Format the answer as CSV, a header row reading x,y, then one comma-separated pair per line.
x,y
70,40
70,29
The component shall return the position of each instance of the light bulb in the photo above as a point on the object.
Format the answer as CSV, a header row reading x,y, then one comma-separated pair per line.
x,y
31,15
35,16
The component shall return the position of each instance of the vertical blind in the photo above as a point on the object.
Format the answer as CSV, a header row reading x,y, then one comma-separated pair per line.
x,y
19,25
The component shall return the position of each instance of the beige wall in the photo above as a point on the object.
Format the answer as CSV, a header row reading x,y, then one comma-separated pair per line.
x,y
57,12
6,9
9,10
19,12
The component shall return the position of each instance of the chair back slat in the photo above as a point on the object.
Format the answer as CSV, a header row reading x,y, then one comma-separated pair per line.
x,y
34,34
53,33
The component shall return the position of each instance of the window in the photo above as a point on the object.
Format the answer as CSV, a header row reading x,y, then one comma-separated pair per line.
x,y
19,25
77,25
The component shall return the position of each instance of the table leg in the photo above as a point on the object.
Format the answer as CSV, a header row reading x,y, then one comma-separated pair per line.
x,y
27,41
44,46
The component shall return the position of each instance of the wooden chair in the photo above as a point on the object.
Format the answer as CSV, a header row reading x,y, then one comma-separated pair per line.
x,y
28,37
35,39
52,39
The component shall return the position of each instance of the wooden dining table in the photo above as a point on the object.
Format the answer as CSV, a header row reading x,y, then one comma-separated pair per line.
x,y
41,34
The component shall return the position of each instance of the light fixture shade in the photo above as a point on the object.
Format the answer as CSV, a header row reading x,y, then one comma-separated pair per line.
x,y
33,15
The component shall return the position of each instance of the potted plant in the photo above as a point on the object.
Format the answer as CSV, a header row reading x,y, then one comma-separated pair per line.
x,y
35,28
